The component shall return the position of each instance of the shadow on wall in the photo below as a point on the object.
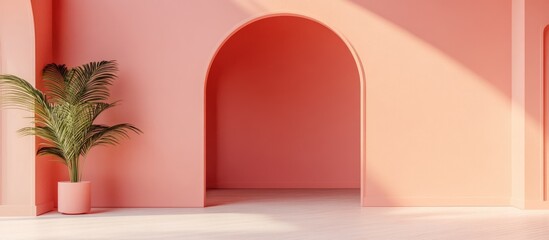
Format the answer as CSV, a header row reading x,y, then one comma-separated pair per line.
x,y
405,54
476,35
438,91
283,108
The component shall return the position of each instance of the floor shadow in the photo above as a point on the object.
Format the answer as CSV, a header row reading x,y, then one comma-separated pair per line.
x,y
219,197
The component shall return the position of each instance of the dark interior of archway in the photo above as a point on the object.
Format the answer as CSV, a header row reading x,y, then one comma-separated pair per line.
x,y
282,108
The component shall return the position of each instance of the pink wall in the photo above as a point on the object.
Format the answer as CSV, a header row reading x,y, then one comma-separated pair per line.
x,y
283,108
163,65
437,109
17,56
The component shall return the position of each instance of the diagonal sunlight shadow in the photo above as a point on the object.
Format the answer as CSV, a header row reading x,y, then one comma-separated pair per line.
x,y
437,80
473,36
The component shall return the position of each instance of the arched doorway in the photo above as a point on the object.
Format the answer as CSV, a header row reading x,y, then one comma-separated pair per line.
x,y
283,107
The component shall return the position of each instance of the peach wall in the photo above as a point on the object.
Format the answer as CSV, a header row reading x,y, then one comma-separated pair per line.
x,y
17,54
517,113
532,180
283,108
437,109
437,90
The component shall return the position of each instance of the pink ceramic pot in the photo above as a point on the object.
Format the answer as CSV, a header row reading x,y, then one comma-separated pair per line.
x,y
74,197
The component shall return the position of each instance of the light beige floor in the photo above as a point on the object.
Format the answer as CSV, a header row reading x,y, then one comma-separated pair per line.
x,y
284,214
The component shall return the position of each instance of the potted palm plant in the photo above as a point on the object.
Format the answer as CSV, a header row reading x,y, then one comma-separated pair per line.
x,y
64,116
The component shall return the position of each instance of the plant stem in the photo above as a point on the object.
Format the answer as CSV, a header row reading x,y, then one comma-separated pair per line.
x,y
73,171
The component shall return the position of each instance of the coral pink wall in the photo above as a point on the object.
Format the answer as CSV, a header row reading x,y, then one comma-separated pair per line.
x,y
163,65
45,172
437,110
283,108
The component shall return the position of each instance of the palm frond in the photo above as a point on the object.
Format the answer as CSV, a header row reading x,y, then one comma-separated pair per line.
x,y
56,78
108,135
65,114
95,109
72,129
91,81
18,93
43,132
53,151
